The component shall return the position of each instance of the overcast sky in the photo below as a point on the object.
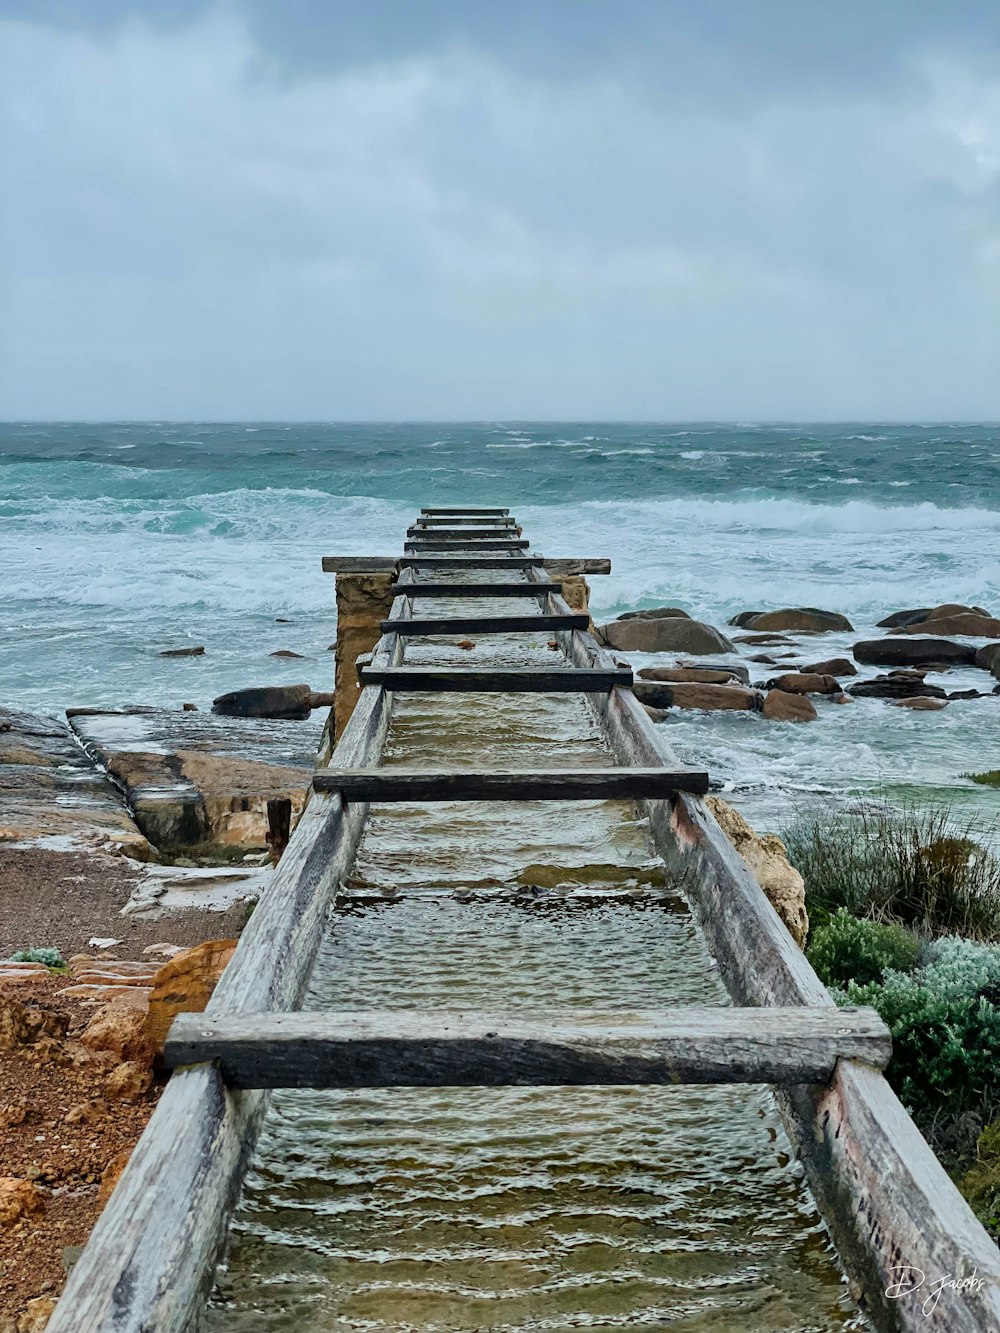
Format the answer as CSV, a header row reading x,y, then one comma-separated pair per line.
x,y
347,209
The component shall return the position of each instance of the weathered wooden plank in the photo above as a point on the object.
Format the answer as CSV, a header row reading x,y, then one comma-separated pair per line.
x,y
887,1200
461,560
378,785
407,1048
463,509
484,624
151,1257
475,542
360,564
497,589
460,534
464,520
469,680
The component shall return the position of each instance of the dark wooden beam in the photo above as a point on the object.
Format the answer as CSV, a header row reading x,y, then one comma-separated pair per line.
x,y
462,520
473,540
498,589
483,624
463,509
409,1049
360,564
460,534
462,560
521,680
579,784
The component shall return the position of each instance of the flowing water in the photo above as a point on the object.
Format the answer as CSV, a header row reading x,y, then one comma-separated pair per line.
x,y
467,1210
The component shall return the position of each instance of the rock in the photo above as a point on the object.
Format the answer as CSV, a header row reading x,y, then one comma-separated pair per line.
x,y
128,1082
122,1032
743,618
693,675
899,618
988,657
965,622
842,699
901,685
190,708
279,701
184,652
18,1198
764,660
710,697
37,1314
833,666
184,986
26,1024
807,618
780,706
901,651
111,1175
921,703
656,714
768,859
135,997
199,784
655,613
764,640
86,1113
51,790
805,682
467,644
737,669
363,600
287,652
967,694
326,700
663,635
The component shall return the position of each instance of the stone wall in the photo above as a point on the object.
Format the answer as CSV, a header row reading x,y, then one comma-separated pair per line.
x,y
362,601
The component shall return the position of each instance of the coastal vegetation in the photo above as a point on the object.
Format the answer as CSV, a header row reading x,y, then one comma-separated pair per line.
x,y
991,778
904,906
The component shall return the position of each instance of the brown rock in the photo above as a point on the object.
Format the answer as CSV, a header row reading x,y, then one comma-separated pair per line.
x,y
18,1198
87,1113
655,613
833,666
678,695
25,1024
780,706
184,986
363,600
694,675
467,644
807,618
897,650
656,714
280,701
763,640
37,1314
805,682
199,651
768,859
964,622
287,652
120,1030
664,634
129,1081
921,703
134,997
111,1175
842,699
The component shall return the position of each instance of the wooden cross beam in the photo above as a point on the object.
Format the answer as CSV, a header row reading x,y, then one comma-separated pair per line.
x,y
415,625
384,785
498,589
464,509
520,680
409,1049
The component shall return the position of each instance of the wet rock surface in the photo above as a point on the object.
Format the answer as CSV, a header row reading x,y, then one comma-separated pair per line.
x,y
782,706
803,618
52,794
659,694
896,685
913,652
768,859
199,784
664,634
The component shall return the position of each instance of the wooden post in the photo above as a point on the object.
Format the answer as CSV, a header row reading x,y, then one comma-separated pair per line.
x,y
279,826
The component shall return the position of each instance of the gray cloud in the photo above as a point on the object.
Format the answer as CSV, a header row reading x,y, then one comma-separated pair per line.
x,y
374,210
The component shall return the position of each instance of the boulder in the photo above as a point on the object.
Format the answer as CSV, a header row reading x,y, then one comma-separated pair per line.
x,y
681,695
128,1081
184,985
899,618
736,669
655,613
988,657
780,706
833,666
363,601
198,651
656,714
964,622
37,1314
199,784
18,1198
52,792
807,618
768,859
693,675
897,685
25,1024
665,635
902,651
278,701
921,703
764,640
121,1031
805,682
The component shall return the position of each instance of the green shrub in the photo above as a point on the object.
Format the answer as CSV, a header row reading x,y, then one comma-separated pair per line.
x,y
991,778
981,1183
846,950
911,866
945,1022
50,957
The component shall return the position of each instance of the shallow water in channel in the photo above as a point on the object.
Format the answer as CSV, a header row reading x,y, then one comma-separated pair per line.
x,y
467,1210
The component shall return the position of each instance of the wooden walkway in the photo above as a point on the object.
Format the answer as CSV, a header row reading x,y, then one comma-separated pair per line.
x,y
887,1201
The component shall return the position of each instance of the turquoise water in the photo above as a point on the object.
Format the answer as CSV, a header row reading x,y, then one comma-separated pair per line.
x,y
118,540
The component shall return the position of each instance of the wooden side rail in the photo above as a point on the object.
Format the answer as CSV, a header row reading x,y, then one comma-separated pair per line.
x,y
538,622
509,680
380,785
410,1049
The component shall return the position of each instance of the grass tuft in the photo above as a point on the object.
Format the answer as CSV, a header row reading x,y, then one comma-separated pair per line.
x,y
991,778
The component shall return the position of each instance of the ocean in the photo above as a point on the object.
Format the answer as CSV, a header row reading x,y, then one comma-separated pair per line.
x,y
119,540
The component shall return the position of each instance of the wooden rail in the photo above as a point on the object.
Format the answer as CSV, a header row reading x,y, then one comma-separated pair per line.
x,y
885,1198
378,785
